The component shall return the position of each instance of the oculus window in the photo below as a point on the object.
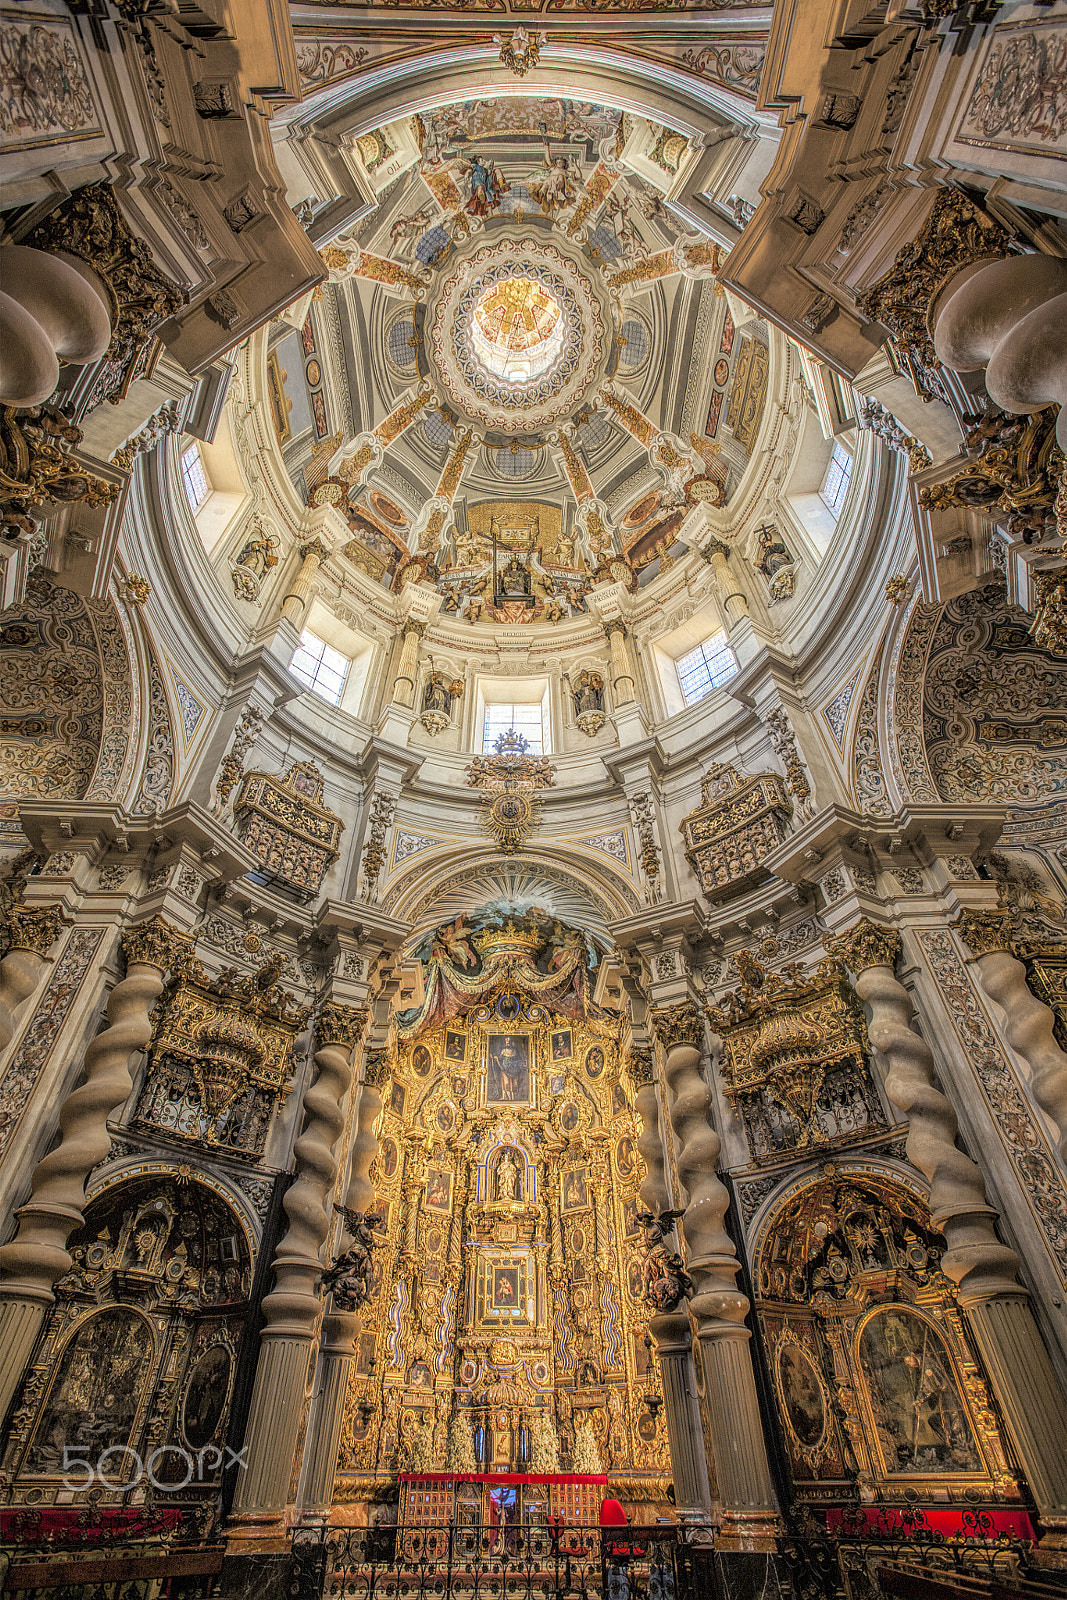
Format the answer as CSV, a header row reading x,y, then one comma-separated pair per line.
x,y
194,477
322,669
705,668
526,718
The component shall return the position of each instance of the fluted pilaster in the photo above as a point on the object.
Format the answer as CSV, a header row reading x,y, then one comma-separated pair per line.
x,y
1028,1023
33,933
291,1310
742,1471
37,1257
975,1259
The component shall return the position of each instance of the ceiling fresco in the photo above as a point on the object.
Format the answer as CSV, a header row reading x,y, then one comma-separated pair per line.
x,y
550,380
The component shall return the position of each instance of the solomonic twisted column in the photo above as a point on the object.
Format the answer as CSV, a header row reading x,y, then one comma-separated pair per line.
x,y
994,1302
670,1329
37,1257
1029,1024
340,1328
292,1308
749,1507
33,933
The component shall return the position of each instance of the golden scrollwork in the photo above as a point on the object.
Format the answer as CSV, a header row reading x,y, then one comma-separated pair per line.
x,y
864,945
738,822
34,928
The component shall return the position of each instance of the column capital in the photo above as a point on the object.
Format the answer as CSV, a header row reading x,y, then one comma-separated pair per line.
x,y
616,625
414,625
155,944
715,547
35,928
985,931
678,1024
340,1025
641,1068
315,550
866,944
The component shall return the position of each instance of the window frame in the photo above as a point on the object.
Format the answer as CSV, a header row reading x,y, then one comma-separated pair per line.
x,y
712,680
842,460
189,472
312,680
490,708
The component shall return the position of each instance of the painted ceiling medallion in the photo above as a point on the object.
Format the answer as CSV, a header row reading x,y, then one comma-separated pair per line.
x,y
518,335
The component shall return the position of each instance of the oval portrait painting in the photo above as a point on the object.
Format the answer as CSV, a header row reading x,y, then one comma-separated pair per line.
x,y
802,1398
206,1395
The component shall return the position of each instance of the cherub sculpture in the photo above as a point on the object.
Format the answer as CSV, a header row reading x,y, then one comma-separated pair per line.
x,y
666,1282
347,1278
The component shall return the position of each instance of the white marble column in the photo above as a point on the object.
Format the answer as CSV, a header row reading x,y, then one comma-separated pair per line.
x,y
749,1509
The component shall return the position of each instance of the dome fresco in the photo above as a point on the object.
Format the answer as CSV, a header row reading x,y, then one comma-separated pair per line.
x,y
529,284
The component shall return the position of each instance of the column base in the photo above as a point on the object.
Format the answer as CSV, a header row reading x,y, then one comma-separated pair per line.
x,y
1051,1549
746,1575
749,1532
256,1577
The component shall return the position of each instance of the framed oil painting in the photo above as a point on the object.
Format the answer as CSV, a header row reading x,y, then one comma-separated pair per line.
x,y
507,1064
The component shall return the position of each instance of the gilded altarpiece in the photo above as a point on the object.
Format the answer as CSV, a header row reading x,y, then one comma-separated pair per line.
x,y
878,1392
132,1382
505,1311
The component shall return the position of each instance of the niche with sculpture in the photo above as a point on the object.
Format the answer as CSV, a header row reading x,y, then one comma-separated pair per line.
x,y
878,1392
136,1364
507,1321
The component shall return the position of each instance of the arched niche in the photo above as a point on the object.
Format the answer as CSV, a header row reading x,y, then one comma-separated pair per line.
x,y
877,1389
139,1353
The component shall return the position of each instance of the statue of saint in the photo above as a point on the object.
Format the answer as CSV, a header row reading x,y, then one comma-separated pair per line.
x,y
507,1177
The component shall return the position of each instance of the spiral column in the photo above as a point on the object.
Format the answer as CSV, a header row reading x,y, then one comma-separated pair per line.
x,y
995,1304
34,930
340,1329
292,1308
1028,1023
746,1493
37,1256
670,1329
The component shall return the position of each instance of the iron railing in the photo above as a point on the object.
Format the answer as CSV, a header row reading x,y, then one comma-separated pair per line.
x,y
482,1562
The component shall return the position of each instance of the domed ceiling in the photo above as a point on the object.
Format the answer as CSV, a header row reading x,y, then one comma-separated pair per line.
x,y
522,376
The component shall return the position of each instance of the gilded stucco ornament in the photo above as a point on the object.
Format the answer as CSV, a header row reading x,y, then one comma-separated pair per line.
x,y
985,931
155,944
738,822
34,928
340,1025
510,779
865,945
680,1024
284,821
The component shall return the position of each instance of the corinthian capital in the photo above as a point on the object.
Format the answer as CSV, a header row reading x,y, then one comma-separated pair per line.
x,y
340,1025
35,928
866,945
678,1024
155,944
985,931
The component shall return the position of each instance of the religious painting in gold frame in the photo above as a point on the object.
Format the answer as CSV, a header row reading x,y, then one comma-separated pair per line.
x,y
509,1061
507,1289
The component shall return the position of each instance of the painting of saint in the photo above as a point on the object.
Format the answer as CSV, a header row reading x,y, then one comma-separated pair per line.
x,y
630,1224
646,1428
439,1191
635,1279
594,1061
556,1082
508,1061
459,1085
205,1399
420,1377
421,1060
508,1007
561,1045
618,1098
505,1288
802,1396
624,1156
575,1191
96,1391
397,1096
918,1410
568,1117
446,1118
389,1158
487,186
455,1046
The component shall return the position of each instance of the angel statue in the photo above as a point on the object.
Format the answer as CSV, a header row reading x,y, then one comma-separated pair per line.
x,y
666,1282
347,1278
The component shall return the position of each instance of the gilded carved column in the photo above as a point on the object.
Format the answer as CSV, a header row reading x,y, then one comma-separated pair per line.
x,y
734,599
994,1302
340,1329
670,1329
1028,1023
37,1257
746,1492
295,604
292,1308
407,671
34,930
622,672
